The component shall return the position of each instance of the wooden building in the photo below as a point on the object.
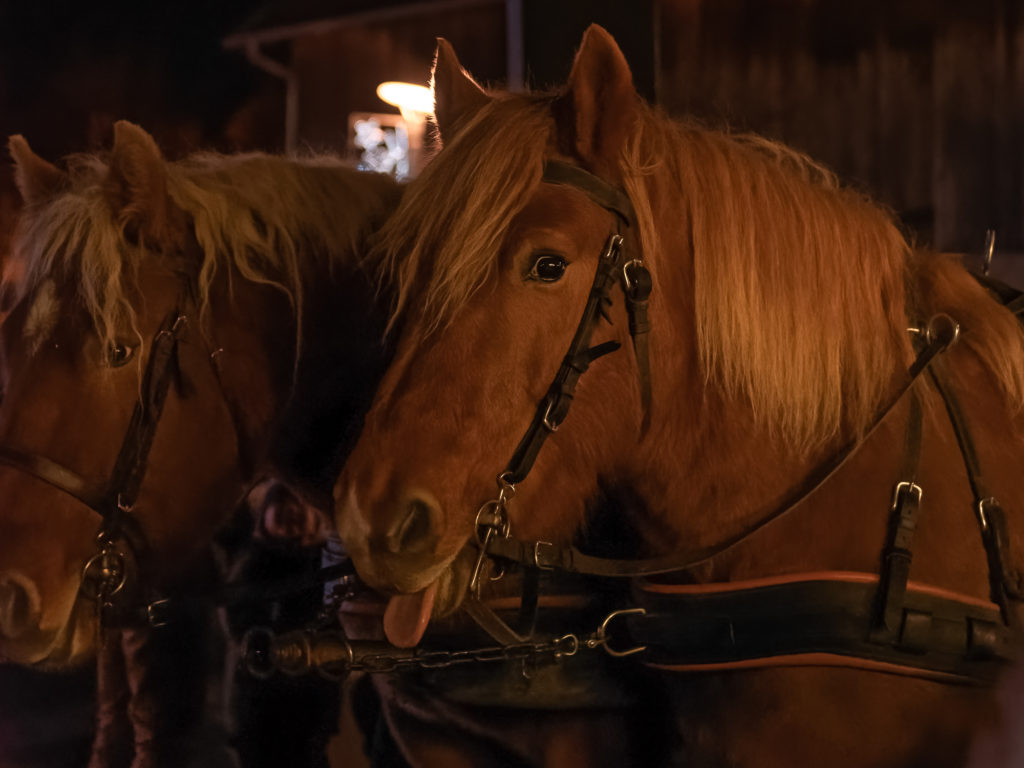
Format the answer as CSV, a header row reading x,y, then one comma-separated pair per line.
x,y
921,103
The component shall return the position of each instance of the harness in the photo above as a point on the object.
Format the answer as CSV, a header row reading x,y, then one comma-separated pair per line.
x,y
879,621
111,577
882,622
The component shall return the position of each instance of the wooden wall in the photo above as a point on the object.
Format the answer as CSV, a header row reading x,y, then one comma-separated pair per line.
x,y
920,102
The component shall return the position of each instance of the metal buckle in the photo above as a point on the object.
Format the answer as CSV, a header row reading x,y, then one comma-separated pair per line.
x,y
548,424
548,564
612,247
909,487
158,614
982,517
626,279
600,638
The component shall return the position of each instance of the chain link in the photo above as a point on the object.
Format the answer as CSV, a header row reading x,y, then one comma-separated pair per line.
x,y
380,663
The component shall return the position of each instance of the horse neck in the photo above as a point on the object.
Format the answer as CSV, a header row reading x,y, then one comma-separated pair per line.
x,y
708,470
341,358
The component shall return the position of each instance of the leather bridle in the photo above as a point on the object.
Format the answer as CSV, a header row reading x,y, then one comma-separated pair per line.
x,y
612,267
898,627
120,543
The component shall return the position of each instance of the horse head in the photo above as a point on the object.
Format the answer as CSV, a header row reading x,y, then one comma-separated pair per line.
x,y
164,340
491,286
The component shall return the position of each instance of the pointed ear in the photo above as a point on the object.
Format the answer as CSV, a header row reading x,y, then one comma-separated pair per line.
x,y
600,107
136,186
457,97
37,179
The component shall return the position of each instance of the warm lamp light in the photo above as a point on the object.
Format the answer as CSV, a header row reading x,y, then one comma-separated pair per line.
x,y
407,97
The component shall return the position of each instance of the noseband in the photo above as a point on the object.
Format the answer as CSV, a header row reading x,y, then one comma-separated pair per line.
x,y
105,577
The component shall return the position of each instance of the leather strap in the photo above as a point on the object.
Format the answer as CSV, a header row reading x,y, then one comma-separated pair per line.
x,y
89,492
548,556
898,552
817,614
552,410
1004,578
600,191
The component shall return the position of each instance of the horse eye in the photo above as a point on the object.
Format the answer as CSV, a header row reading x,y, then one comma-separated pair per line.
x,y
119,354
548,268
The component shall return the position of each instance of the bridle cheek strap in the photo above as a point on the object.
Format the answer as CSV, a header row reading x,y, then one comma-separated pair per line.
x,y
114,498
554,407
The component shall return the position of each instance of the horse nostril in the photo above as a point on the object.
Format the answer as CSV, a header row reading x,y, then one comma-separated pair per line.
x,y
418,530
19,607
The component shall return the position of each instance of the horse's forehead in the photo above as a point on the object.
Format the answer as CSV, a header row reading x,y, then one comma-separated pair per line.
x,y
556,210
42,314
553,205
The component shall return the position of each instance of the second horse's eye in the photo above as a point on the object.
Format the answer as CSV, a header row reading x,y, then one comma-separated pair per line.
x,y
119,354
548,268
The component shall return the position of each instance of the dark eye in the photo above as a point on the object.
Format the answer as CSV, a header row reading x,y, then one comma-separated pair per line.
x,y
548,268
119,354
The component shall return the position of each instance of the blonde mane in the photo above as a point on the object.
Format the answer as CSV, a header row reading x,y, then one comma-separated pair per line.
x,y
256,214
803,289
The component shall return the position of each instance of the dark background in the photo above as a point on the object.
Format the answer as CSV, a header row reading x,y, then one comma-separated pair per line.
x,y
919,102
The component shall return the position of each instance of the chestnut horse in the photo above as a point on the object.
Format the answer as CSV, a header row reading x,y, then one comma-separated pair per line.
x,y
778,359
171,330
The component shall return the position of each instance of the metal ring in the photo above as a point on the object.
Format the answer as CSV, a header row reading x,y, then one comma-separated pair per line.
x,y
575,646
499,522
257,652
506,488
600,638
951,331
103,578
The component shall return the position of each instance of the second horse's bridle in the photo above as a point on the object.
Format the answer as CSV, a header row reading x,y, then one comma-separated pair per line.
x,y
106,577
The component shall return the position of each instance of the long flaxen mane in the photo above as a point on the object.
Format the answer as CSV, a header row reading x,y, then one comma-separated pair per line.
x,y
803,289
271,219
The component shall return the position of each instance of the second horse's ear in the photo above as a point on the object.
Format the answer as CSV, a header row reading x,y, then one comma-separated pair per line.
x,y
37,179
600,106
136,186
457,97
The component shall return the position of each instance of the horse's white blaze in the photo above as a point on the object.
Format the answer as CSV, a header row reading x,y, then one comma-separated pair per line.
x,y
42,316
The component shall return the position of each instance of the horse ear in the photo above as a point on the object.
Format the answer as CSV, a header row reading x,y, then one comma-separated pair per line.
x,y
457,97
37,179
600,107
136,184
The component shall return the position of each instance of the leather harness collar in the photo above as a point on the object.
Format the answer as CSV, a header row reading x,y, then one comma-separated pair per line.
x,y
880,622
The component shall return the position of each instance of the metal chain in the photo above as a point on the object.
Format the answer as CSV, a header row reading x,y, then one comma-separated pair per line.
x,y
558,648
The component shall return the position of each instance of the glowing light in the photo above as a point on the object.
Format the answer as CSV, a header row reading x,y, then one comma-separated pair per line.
x,y
407,97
